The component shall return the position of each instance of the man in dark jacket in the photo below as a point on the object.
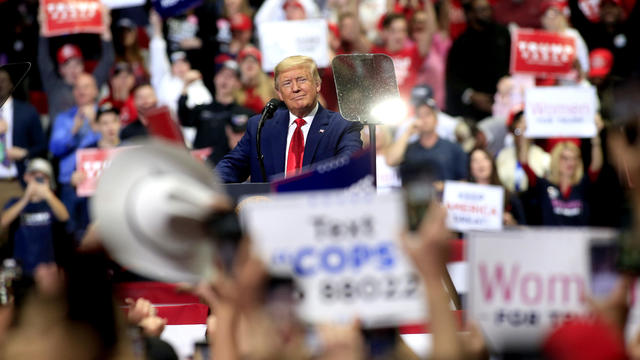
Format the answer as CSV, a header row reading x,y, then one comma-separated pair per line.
x,y
477,60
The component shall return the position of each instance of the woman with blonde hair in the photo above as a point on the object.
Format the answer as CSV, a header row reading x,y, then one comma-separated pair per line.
x,y
563,195
257,87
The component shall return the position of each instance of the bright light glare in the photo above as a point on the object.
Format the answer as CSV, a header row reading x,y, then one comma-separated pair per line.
x,y
390,111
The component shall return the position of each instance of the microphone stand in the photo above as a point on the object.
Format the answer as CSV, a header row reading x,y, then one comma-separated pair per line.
x,y
267,113
259,146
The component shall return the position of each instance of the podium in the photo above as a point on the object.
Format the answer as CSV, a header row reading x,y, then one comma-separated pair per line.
x,y
236,191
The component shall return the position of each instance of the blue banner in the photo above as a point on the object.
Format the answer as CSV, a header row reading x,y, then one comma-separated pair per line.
x,y
337,173
168,8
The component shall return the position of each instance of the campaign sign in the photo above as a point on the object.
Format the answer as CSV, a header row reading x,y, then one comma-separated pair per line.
x,y
522,282
279,39
62,17
117,4
472,206
168,8
541,53
92,162
560,111
337,173
342,249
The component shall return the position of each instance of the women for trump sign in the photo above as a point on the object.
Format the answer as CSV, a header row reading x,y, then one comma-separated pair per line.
x,y
523,282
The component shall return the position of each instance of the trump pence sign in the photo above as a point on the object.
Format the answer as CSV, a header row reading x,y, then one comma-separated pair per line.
x,y
542,53
62,17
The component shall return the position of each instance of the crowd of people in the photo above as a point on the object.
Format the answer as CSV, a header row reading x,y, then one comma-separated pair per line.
x,y
466,122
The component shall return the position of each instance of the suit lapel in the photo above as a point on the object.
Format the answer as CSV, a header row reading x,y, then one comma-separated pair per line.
x,y
276,139
316,132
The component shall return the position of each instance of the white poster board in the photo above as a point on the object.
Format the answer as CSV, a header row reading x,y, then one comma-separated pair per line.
x,y
560,111
117,4
279,39
472,206
522,282
343,250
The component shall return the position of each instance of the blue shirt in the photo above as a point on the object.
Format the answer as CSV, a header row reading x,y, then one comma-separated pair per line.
x,y
63,144
447,159
32,235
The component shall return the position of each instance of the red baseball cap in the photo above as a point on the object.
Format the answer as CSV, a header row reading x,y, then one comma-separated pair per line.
x,y
292,3
67,52
250,51
560,5
600,62
584,339
241,22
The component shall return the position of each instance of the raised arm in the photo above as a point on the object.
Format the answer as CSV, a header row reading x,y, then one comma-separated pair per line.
x,y
578,19
597,158
159,66
424,38
101,72
395,152
427,250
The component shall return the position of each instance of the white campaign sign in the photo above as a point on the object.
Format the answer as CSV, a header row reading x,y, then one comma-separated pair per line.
x,y
560,111
117,4
472,206
279,39
522,282
343,250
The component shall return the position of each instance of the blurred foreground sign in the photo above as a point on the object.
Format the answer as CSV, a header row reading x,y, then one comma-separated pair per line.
x,y
91,162
337,173
522,282
343,250
64,17
472,206
541,53
279,39
168,8
560,111
117,4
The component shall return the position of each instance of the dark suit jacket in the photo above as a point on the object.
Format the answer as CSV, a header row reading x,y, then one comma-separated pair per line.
x,y
27,133
330,135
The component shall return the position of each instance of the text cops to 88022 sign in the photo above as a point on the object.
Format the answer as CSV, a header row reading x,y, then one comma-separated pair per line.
x,y
343,250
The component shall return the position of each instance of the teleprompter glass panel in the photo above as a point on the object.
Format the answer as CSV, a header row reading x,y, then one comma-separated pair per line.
x,y
366,87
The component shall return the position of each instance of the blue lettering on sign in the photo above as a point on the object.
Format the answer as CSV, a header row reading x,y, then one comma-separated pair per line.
x,y
386,256
309,260
329,256
298,260
360,255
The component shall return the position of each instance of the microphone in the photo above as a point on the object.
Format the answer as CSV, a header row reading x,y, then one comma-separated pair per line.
x,y
271,108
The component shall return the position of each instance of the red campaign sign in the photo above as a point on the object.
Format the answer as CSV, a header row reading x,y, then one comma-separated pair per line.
x,y
542,53
91,162
64,17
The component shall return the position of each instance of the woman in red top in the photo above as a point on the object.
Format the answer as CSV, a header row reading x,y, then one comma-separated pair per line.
x,y
257,87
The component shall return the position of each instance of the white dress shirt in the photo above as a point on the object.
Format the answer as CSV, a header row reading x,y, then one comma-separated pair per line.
x,y
292,127
6,113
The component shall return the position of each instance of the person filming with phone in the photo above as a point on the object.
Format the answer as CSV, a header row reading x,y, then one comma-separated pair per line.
x,y
31,218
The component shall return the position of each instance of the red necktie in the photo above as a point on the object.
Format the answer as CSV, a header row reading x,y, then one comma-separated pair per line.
x,y
296,149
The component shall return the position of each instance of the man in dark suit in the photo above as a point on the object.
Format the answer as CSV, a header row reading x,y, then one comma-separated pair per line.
x,y
21,138
303,134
